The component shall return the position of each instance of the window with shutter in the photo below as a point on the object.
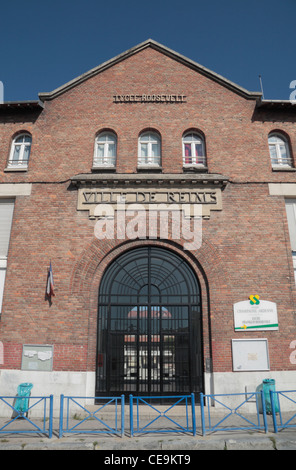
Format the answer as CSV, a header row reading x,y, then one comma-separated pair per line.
x,y
291,215
6,214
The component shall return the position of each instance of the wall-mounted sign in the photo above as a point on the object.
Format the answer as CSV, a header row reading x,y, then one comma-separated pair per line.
x,y
255,314
250,354
150,98
37,357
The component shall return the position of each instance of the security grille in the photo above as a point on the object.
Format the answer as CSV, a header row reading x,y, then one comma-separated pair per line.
x,y
149,325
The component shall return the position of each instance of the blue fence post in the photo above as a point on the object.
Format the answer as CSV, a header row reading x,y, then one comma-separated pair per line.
x,y
122,415
50,416
193,414
131,416
61,416
264,410
273,410
202,413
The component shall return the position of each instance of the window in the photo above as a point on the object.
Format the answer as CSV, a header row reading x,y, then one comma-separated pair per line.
x,y
279,151
149,149
105,150
20,152
6,213
291,215
193,150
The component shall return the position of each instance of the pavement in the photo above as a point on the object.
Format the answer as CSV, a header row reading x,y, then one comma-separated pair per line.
x,y
176,444
173,444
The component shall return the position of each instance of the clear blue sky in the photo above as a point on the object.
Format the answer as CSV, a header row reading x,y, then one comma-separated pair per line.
x,y
44,44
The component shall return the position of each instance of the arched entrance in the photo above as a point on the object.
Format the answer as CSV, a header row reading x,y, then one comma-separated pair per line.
x,y
149,325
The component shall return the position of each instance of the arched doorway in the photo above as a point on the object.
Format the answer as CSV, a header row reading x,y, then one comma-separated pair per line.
x,y
149,326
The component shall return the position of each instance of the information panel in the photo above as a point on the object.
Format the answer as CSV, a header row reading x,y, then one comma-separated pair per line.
x,y
37,357
250,354
249,316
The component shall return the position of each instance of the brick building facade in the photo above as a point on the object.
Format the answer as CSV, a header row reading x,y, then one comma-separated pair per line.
x,y
153,127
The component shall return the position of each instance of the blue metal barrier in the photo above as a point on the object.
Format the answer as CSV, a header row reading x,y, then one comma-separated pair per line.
x,y
283,420
251,420
13,426
183,425
96,425
146,416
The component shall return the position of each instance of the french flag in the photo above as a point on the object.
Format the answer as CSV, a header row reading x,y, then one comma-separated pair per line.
x,y
50,284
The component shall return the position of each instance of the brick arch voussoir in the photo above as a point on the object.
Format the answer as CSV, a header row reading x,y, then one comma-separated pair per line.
x,y
97,256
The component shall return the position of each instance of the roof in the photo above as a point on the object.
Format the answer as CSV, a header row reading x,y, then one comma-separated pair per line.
x,y
251,95
164,50
21,105
277,105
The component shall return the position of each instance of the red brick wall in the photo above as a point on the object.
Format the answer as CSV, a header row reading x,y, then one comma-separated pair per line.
x,y
245,247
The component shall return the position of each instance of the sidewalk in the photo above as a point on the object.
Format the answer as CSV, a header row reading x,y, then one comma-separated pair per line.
x,y
172,443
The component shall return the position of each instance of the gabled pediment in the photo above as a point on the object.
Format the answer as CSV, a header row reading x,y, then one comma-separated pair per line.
x,y
162,49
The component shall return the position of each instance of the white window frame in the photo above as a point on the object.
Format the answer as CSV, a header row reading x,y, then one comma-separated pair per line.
x,y
291,217
149,139
196,138
294,264
8,217
106,140
3,266
279,160
19,141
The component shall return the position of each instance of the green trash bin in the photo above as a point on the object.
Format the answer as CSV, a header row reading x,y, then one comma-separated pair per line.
x,y
23,395
267,386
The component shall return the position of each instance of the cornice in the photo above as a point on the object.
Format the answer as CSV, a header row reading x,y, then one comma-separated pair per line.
x,y
133,179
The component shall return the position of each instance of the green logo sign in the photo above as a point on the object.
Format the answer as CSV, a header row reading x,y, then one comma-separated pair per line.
x,y
254,299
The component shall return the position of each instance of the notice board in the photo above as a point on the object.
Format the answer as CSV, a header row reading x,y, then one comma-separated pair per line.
x,y
37,357
250,354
